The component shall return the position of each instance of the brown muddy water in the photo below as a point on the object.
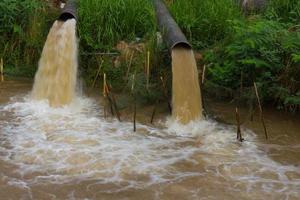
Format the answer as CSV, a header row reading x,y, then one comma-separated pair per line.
x,y
186,96
56,77
74,152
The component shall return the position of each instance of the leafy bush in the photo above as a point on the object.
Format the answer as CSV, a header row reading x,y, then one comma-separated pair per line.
x,y
24,26
284,10
263,51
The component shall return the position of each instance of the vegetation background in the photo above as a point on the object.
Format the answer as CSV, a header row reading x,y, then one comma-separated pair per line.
x,y
238,46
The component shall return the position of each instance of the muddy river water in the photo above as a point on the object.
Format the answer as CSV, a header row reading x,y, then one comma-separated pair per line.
x,y
75,153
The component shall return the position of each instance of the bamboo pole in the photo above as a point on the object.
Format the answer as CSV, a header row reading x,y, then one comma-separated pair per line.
x,y
112,99
148,69
166,93
261,111
202,77
203,74
98,72
134,102
104,95
153,113
1,70
238,132
129,66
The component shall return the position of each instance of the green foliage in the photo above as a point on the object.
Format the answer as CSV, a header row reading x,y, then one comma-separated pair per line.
x,y
284,10
23,29
104,22
263,51
205,22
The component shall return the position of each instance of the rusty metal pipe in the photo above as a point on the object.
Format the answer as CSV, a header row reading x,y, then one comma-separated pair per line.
x,y
171,32
69,11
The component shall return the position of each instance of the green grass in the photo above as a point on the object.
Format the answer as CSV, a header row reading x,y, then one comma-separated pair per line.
x,y
284,10
23,30
205,22
103,23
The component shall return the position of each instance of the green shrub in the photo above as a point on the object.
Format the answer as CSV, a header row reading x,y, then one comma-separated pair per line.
x,y
23,29
263,51
284,10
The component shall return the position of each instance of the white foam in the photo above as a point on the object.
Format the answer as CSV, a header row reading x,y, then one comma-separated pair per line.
x,y
75,142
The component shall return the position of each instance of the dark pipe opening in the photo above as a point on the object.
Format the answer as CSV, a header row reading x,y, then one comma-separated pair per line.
x,y
182,45
171,32
69,11
66,16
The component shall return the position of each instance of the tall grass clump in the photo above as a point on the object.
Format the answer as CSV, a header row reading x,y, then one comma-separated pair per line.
x,y
284,10
205,22
105,22
23,29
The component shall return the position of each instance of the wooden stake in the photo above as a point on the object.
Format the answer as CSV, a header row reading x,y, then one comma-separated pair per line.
x,y
261,111
239,132
112,99
203,74
1,70
105,95
134,116
104,85
201,84
148,69
153,113
129,66
134,102
98,72
166,93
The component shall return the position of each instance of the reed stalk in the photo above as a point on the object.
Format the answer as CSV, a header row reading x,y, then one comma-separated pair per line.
x,y
129,66
166,93
203,74
148,69
98,73
1,70
239,132
134,102
261,111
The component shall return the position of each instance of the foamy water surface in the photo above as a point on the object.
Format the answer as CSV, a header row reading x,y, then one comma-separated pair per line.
x,y
76,143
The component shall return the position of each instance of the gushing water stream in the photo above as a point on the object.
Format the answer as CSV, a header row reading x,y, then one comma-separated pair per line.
x,y
187,105
55,79
73,152
57,145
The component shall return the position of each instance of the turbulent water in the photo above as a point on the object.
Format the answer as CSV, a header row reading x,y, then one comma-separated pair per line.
x,y
50,151
55,79
187,105
73,152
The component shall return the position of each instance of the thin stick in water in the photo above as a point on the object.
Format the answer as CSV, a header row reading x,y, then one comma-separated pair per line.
x,y
203,74
129,66
98,72
104,95
114,102
239,132
134,116
153,113
134,102
1,70
148,69
166,93
261,111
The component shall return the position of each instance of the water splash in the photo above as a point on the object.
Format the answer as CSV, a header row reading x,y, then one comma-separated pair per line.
x,y
187,104
75,143
55,79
